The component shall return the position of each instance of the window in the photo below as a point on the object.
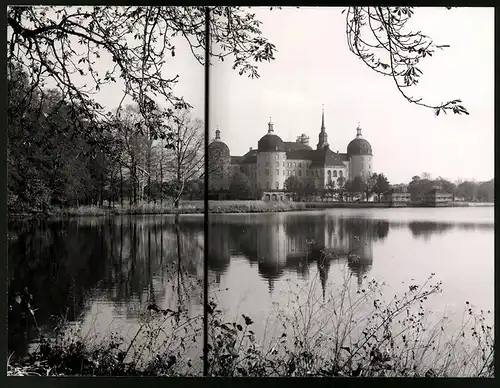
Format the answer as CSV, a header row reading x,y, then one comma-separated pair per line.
x,y
300,164
267,164
267,185
361,158
335,173
288,172
341,173
293,172
267,171
300,173
277,156
329,173
294,164
317,172
283,164
277,185
277,171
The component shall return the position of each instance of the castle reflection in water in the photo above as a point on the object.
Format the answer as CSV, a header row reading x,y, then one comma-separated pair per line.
x,y
278,244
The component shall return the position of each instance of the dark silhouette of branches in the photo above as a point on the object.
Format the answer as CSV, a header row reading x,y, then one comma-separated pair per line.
x,y
63,46
380,38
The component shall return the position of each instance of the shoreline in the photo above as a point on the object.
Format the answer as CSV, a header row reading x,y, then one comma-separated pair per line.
x,y
221,207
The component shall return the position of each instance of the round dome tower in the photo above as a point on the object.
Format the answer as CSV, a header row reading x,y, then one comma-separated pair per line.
x,y
217,145
271,158
271,142
219,161
360,156
359,145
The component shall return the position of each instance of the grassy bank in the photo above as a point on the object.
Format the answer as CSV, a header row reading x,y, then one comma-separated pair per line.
x,y
186,207
197,207
254,206
342,205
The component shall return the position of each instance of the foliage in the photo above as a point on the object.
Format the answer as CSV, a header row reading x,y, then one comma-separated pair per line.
x,y
351,334
239,187
355,185
469,190
341,187
370,183
254,206
380,37
486,191
62,45
293,185
381,185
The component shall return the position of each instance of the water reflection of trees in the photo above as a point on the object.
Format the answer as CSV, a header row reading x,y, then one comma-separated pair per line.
x,y
426,229
295,243
123,261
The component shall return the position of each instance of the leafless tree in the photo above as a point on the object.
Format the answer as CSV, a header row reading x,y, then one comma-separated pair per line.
x,y
186,156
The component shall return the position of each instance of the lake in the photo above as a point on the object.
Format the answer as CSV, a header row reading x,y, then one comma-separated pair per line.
x,y
101,274
258,260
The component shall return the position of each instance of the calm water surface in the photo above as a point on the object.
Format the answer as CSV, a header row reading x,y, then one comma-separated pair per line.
x,y
254,258
103,272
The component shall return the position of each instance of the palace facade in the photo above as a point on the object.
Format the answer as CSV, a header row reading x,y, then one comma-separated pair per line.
x,y
274,160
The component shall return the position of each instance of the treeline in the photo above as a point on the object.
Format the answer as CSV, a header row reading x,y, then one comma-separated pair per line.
x,y
57,158
461,190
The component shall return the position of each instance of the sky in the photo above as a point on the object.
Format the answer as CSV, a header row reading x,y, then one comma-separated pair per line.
x,y
314,66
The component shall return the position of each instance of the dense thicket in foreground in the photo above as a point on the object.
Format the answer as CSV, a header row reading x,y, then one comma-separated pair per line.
x,y
344,333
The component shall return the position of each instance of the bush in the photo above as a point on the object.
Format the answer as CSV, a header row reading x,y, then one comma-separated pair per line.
x,y
359,334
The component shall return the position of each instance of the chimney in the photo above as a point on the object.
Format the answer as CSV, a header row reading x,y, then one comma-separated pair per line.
x,y
250,149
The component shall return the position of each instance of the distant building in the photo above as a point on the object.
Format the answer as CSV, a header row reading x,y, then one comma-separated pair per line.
x,y
436,197
274,160
399,199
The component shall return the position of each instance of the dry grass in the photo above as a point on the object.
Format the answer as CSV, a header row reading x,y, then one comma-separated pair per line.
x,y
354,333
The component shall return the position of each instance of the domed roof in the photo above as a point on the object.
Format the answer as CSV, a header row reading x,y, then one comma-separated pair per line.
x,y
359,145
271,142
218,146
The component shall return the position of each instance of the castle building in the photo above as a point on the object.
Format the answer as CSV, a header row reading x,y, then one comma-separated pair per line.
x,y
274,160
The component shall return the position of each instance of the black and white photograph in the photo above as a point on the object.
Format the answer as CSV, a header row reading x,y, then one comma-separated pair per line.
x,y
105,190
235,191
364,153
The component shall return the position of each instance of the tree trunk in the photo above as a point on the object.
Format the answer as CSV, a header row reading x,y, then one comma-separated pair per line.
x,y
121,186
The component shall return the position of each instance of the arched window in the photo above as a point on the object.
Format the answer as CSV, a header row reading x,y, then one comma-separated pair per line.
x,y
334,173
330,173
341,173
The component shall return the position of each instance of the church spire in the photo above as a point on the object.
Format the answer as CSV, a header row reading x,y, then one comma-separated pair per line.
x,y
323,118
323,137
217,133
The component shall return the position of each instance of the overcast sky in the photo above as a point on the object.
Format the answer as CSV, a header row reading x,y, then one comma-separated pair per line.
x,y
314,66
